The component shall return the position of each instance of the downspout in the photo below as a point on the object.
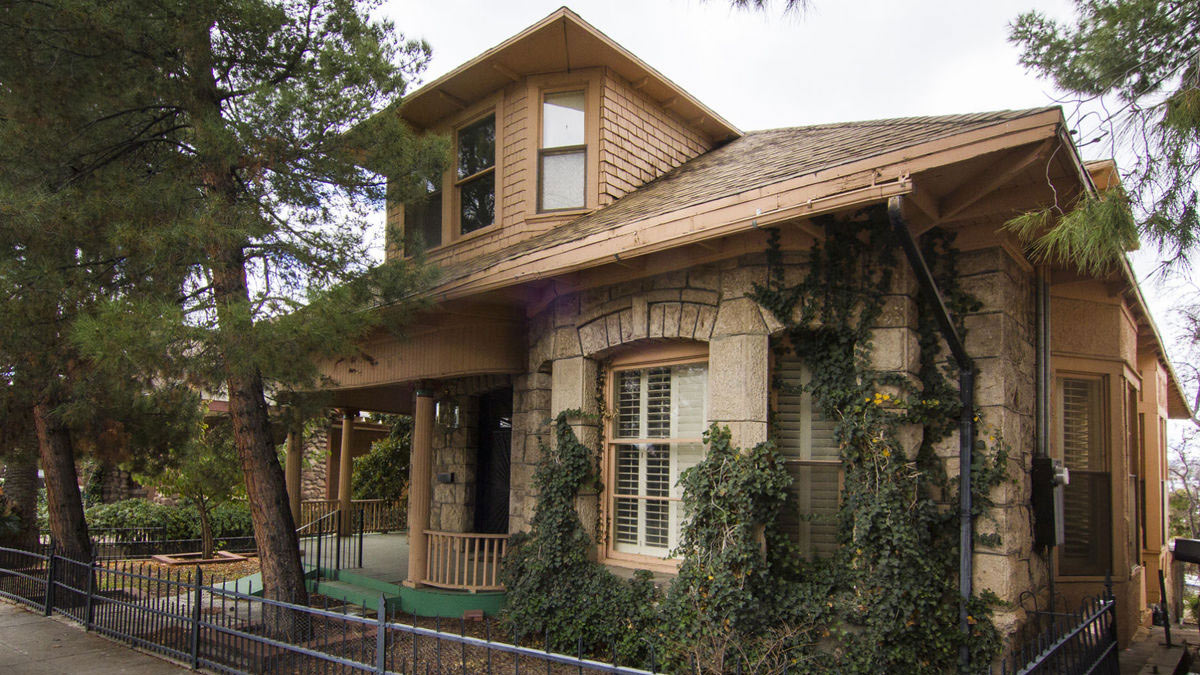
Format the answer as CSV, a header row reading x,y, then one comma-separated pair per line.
x,y
966,423
1042,421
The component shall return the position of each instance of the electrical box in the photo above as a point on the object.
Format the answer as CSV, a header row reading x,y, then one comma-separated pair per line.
x,y
1049,477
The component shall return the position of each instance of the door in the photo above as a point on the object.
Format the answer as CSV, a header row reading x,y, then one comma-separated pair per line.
x,y
492,468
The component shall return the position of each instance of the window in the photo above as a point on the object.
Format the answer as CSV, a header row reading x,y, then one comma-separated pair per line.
x,y
805,438
657,429
423,222
476,178
1087,500
562,159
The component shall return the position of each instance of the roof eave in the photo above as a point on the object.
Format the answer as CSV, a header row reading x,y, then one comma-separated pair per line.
x,y
491,67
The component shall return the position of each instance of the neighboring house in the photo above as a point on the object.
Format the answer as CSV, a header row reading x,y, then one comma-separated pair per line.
x,y
601,225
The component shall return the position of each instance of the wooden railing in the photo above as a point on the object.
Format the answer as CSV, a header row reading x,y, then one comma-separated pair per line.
x,y
378,515
466,561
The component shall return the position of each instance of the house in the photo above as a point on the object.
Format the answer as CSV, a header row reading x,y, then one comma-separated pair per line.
x,y
598,232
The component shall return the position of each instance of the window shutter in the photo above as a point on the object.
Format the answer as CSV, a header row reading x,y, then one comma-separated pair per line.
x,y
806,440
1087,499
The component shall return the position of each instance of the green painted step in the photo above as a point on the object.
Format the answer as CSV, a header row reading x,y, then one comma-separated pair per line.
x,y
354,594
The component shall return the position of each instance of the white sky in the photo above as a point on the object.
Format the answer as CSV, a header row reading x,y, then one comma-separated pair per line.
x,y
843,60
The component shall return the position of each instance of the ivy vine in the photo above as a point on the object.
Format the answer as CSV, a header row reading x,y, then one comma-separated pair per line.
x,y
745,599
557,595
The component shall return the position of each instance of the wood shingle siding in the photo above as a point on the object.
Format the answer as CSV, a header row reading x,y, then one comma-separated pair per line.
x,y
639,140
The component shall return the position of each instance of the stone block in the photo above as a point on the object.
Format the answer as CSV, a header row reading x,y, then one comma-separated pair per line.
x,y
566,310
737,379
705,277
613,325
640,310
739,281
671,312
747,434
656,320
739,317
574,385
700,296
687,319
705,318
671,280
593,337
626,320
566,343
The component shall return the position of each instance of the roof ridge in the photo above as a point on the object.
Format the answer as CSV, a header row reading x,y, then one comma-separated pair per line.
x,y
918,119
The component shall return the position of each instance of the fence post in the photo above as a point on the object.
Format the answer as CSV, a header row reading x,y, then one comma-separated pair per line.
x,y
91,593
48,601
196,584
317,577
381,636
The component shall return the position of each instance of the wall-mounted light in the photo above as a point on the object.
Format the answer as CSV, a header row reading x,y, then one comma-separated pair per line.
x,y
448,413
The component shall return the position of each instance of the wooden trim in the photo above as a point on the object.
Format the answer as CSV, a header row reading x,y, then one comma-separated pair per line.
x,y
649,356
673,353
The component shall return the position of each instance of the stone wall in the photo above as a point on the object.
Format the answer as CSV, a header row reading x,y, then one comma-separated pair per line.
x,y
571,340
313,470
454,453
1001,340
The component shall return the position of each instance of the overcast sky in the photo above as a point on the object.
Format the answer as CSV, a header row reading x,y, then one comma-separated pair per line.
x,y
843,60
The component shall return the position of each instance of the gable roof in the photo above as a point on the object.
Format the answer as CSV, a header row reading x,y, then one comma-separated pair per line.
x,y
560,42
756,160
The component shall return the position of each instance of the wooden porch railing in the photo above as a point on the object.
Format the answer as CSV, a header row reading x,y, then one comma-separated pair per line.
x,y
465,561
378,515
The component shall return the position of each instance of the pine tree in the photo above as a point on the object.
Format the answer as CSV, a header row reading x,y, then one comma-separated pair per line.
x,y
256,118
1136,62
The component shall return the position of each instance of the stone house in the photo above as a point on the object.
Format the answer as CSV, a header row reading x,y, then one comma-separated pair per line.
x,y
598,232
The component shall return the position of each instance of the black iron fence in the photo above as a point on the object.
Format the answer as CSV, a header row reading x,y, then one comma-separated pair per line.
x,y
220,628
1072,643
324,549
125,543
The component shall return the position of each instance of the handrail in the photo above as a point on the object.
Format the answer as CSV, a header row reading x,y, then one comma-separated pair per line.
x,y
327,516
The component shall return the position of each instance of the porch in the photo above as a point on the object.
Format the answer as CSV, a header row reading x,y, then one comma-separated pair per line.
x,y
463,575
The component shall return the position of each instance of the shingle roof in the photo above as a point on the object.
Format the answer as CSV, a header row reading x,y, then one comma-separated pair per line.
x,y
755,160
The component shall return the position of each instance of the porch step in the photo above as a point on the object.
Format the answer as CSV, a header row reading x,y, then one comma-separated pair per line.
x,y
252,584
355,593
249,585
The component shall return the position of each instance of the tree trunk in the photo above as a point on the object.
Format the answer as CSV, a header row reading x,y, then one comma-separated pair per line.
x,y
21,487
64,505
206,534
266,487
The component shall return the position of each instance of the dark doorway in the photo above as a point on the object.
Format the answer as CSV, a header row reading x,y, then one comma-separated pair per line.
x,y
492,469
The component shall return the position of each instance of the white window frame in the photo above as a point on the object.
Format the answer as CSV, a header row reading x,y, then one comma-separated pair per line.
x,y
640,554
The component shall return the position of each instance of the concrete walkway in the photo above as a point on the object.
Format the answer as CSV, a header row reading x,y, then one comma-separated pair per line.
x,y
32,643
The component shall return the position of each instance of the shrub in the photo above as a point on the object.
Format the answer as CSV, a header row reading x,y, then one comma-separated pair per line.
x,y
231,519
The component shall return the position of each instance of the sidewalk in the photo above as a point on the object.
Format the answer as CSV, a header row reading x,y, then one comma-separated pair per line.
x,y
32,643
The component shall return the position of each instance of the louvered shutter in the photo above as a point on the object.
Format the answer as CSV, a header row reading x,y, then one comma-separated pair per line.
x,y
806,440
1087,499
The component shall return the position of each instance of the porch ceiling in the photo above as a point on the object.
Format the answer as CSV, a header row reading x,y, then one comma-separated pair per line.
x,y
451,341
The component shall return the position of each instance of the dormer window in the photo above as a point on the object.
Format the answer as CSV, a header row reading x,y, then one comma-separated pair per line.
x,y
476,178
562,159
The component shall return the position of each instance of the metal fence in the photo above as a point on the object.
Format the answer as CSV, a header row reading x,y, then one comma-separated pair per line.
x,y
323,549
1073,643
220,628
125,543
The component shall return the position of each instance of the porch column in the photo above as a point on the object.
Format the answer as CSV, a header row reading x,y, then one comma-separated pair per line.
x,y
292,471
346,469
419,477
